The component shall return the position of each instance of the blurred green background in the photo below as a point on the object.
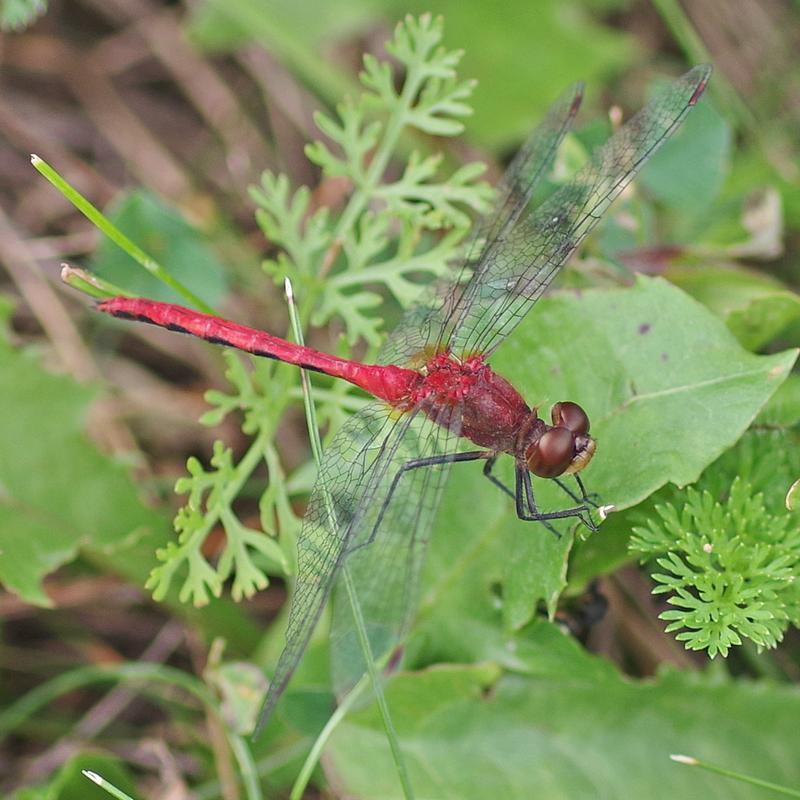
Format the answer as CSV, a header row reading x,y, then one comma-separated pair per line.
x,y
164,114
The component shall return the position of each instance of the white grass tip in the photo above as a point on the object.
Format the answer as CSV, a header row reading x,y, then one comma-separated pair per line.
x,y
287,288
604,511
692,762
92,776
35,159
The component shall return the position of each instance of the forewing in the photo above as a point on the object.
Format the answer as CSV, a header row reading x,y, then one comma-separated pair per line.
x,y
385,572
521,265
427,322
351,478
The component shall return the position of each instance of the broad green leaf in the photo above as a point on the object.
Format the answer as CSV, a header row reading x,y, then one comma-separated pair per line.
x,y
668,389
603,553
755,306
568,726
58,493
666,385
162,232
783,408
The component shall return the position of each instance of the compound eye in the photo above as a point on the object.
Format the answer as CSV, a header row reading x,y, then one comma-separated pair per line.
x,y
571,416
552,454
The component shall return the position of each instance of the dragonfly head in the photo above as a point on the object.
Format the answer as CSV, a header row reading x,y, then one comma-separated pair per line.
x,y
563,448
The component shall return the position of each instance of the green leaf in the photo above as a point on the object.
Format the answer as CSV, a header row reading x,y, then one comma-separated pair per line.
x,y
165,235
58,493
667,389
570,726
666,385
755,306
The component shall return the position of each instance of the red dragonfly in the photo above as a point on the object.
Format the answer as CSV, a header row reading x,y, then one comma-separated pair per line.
x,y
437,400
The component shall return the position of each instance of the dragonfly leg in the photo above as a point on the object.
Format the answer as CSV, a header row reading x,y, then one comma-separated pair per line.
x,y
585,498
487,471
531,513
416,463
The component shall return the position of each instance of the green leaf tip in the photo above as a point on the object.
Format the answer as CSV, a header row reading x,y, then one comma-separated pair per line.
x,y
792,501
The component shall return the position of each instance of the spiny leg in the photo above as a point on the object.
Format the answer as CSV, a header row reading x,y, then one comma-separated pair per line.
x,y
416,463
532,513
487,471
584,497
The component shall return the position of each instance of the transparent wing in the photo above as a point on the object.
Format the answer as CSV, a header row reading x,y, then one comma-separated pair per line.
x,y
518,268
352,481
385,572
425,323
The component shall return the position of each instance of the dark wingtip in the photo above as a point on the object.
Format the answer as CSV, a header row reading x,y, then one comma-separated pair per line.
x,y
704,71
577,100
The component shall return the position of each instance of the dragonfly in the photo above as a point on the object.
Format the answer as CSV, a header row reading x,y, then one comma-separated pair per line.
x,y
437,402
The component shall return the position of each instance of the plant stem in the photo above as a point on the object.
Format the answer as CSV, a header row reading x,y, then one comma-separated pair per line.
x,y
313,431
380,160
391,733
104,224
316,750
775,787
104,784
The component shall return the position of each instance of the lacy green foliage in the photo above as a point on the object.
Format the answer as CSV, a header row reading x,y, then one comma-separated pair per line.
x,y
249,555
18,14
342,265
729,559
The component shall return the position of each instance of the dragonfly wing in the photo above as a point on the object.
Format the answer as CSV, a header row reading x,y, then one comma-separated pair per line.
x,y
521,265
385,572
351,482
424,324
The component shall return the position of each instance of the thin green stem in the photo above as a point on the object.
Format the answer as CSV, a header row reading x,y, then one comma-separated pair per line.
x,y
316,446
91,284
104,224
380,160
304,776
267,765
104,784
375,679
738,776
